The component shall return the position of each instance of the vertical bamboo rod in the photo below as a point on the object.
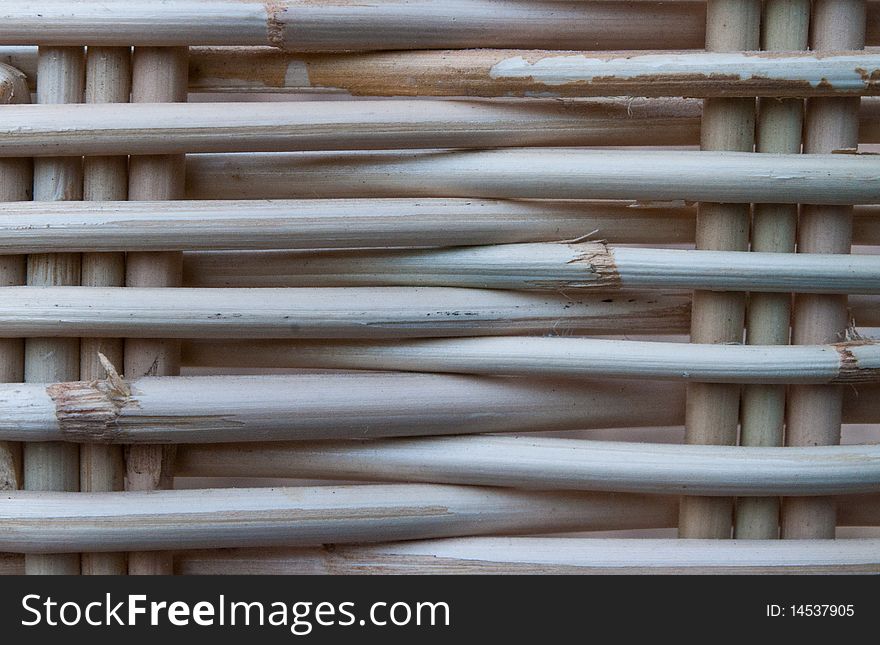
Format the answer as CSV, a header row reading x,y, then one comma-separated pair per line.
x,y
785,27
814,413
16,185
159,75
108,80
712,414
54,466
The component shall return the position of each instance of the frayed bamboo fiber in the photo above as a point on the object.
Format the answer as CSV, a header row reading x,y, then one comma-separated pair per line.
x,y
786,26
581,265
342,125
159,75
732,177
553,464
44,522
139,312
16,184
845,362
108,81
814,414
355,405
345,223
55,466
721,72
306,25
547,556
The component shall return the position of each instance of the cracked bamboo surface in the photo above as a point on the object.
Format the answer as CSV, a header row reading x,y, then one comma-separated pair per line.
x,y
332,405
786,26
547,556
159,75
16,185
55,466
712,413
108,81
553,464
140,312
814,414
41,522
541,173
306,25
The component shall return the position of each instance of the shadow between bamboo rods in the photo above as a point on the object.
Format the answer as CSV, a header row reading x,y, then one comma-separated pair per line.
x,y
16,185
814,414
159,75
102,468
55,466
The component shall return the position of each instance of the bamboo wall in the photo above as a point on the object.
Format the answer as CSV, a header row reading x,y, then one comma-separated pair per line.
x,y
474,286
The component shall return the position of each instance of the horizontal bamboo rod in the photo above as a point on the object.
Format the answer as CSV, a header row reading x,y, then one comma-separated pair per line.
x,y
355,405
846,362
731,177
46,522
340,125
331,223
569,74
334,25
26,227
552,464
13,88
560,556
144,312
581,265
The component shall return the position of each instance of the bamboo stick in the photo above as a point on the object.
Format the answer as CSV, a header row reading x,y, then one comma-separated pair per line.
x,y
342,125
40,522
55,466
354,405
721,71
159,75
847,362
727,124
563,266
342,223
734,177
108,81
553,464
786,26
305,25
139,312
547,556
16,185
814,414
332,223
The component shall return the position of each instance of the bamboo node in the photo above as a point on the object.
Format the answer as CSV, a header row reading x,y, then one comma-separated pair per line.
x,y
88,410
600,258
275,23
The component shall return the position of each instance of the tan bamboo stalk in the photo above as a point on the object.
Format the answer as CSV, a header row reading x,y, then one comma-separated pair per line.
x,y
547,556
848,362
341,223
305,25
141,312
786,27
727,124
552,464
108,81
515,72
159,75
16,185
41,522
336,405
814,414
344,125
55,466
543,173
579,265
335,223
